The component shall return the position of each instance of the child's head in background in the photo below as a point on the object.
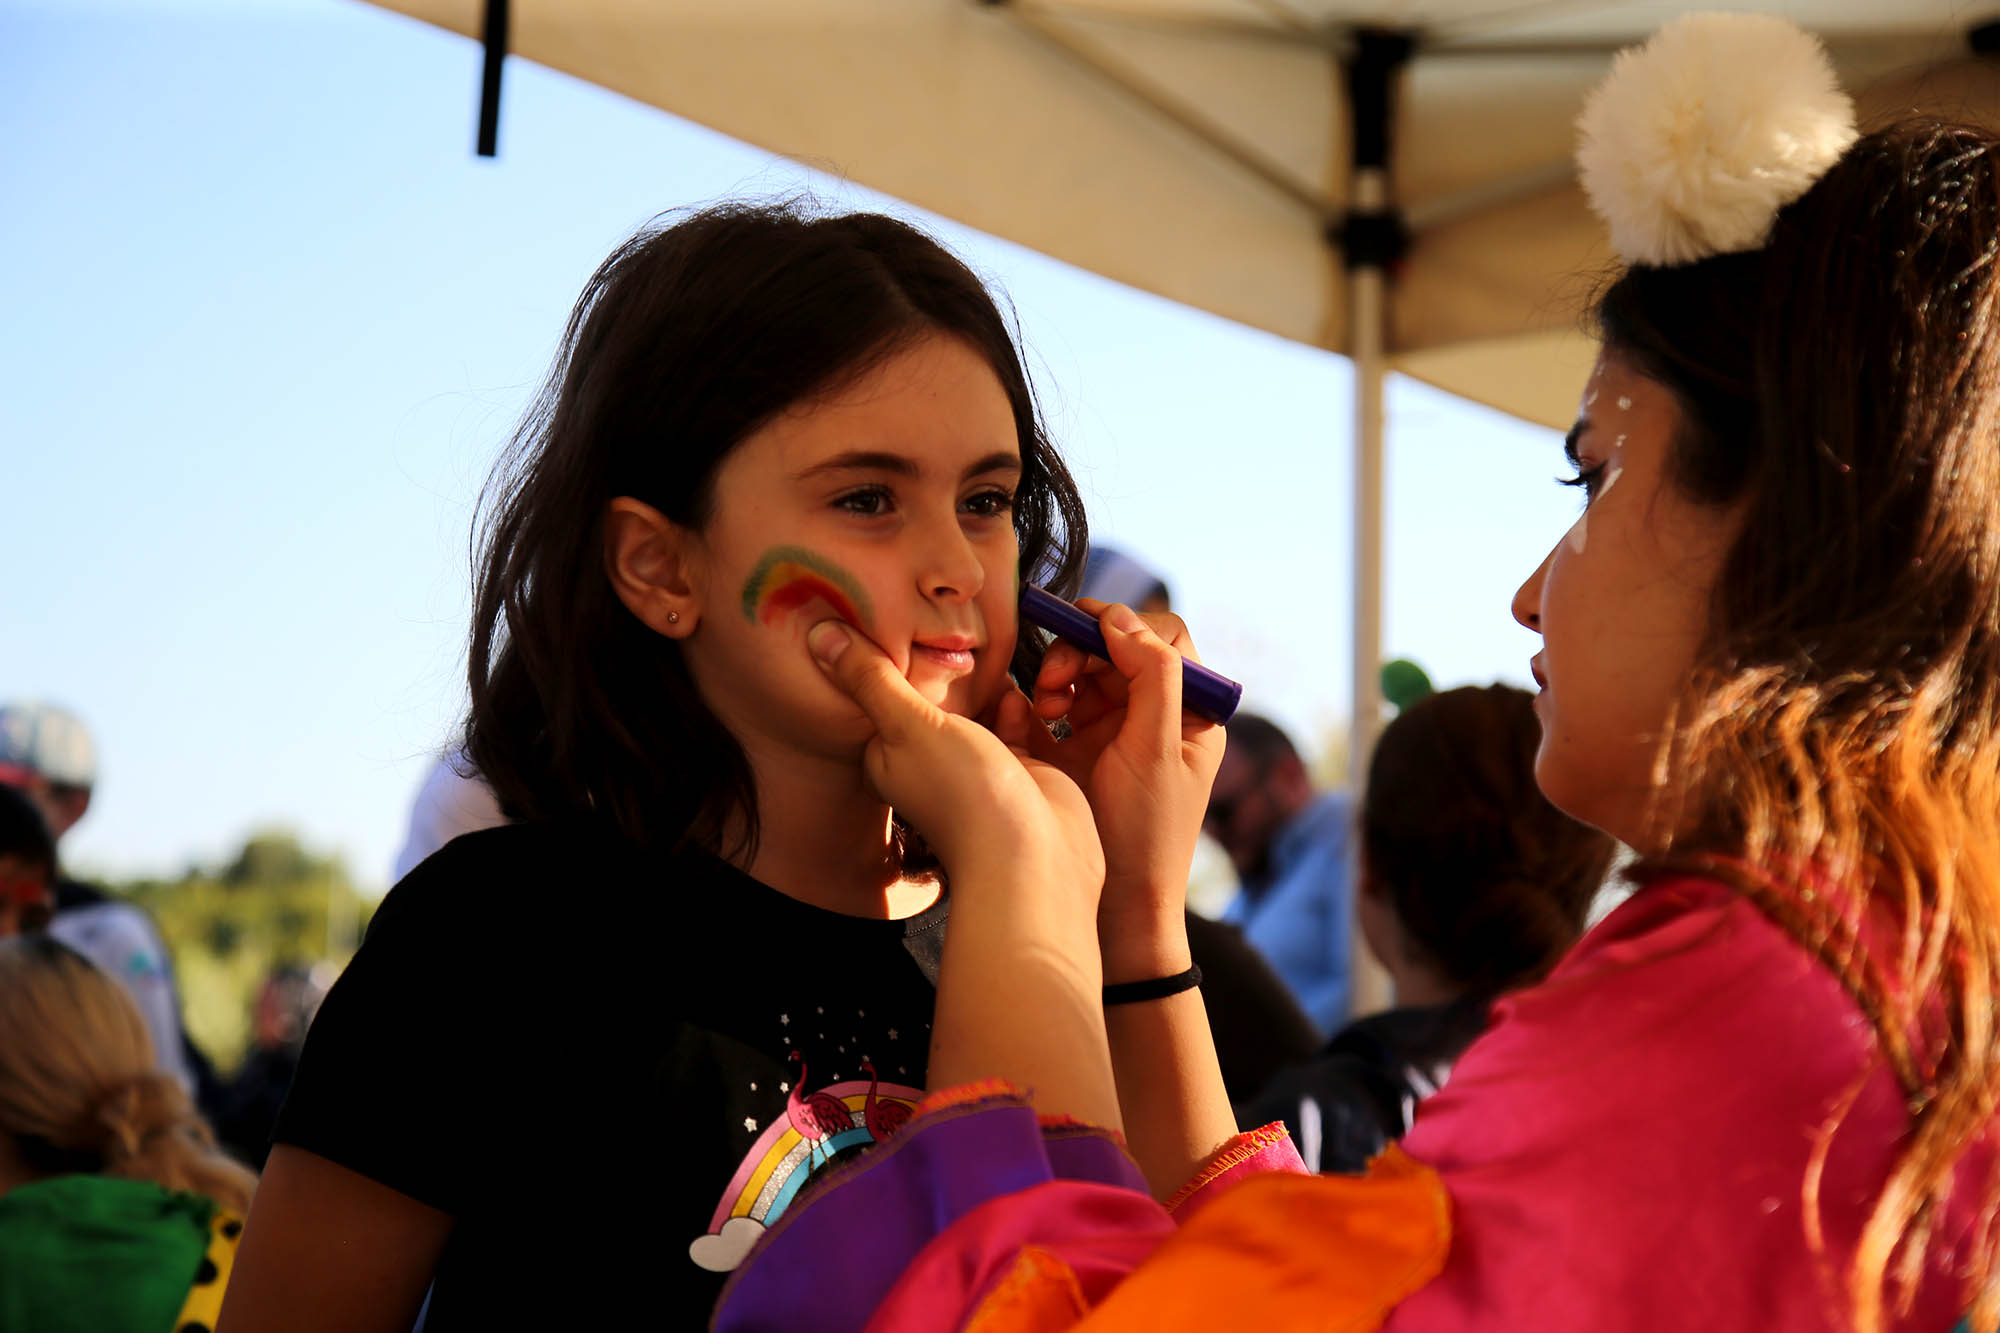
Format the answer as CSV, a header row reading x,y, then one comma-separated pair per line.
x,y
1471,882
27,864
80,1087
759,416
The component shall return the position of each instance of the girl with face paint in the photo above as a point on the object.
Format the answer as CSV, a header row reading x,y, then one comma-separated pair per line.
x,y
584,1061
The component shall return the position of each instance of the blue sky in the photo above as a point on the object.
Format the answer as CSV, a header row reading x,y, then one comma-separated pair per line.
x,y
267,321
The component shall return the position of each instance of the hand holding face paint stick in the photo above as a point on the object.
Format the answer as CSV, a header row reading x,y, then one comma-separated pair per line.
x,y
1021,847
1207,693
1147,762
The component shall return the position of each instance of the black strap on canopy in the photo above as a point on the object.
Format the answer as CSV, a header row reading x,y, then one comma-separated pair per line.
x,y
494,36
1373,236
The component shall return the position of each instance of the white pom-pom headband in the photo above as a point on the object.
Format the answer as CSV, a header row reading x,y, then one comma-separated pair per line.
x,y
1696,139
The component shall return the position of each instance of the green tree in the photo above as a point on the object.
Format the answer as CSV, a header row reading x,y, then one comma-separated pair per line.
x,y
275,903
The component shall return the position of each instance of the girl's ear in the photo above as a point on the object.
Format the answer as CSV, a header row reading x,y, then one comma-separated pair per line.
x,y
654,566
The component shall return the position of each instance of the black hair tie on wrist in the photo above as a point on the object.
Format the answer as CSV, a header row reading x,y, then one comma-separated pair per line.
x,y
1158,988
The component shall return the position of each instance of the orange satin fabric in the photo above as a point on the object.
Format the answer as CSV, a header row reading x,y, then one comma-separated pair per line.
x,y
1333,1254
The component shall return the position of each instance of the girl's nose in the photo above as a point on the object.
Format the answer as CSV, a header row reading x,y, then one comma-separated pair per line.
x,y
950,569
1527,606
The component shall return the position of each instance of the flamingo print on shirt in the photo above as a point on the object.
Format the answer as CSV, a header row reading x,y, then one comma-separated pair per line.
x,y
821,1115
817,1129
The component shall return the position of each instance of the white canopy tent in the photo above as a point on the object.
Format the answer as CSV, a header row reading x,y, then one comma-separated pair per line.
x,y
1388,179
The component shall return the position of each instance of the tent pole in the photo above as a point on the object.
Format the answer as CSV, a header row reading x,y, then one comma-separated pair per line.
x,y
1371,238
1370,989
1367,314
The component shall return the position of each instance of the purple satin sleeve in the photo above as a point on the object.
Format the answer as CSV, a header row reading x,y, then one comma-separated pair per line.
x,y
835,1255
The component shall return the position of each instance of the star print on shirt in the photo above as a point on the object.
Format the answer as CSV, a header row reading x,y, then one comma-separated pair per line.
x,y
785,1019
892,1034
749,1124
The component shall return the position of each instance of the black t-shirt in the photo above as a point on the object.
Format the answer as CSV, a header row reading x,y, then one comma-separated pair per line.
x,y
614,1071
1365,1085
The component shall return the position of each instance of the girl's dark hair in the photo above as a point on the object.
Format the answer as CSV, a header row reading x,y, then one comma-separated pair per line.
x,y
1490,882
1842,387
694,333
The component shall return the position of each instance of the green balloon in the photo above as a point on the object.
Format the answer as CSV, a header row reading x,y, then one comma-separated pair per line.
x,y
1404,682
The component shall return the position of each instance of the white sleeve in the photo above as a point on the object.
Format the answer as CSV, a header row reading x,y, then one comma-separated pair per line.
x,y
447,805
120,939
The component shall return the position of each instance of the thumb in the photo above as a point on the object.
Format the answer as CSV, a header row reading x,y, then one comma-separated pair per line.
x,y
864,673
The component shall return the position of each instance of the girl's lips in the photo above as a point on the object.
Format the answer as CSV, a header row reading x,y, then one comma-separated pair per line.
x,y
947,652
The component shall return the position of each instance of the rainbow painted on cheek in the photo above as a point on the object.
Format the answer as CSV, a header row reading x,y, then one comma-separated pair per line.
x,y
788,578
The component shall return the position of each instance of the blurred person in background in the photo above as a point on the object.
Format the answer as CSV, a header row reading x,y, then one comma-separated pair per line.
x,y
27,865
1110,575
1258,1026
1289,845
285,1006
1470,885
46,754
118,1213
453,800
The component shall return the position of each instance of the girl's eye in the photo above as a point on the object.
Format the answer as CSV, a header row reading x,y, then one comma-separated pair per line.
x,y
1589,478
990,504
867,501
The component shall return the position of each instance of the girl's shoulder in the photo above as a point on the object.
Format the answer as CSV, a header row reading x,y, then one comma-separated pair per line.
x,y
523,871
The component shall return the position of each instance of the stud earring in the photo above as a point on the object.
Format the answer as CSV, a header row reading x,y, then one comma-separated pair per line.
x,y
673,617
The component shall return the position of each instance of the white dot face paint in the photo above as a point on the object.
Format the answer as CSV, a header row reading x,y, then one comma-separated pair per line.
x,y
1624,403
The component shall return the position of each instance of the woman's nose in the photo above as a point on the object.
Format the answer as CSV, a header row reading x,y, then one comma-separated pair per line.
x,y
1527,606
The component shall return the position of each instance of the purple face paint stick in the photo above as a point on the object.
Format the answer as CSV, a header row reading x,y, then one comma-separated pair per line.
x,y
1204,692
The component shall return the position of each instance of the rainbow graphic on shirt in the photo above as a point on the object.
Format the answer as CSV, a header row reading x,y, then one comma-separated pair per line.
x,y
782,1160
788,577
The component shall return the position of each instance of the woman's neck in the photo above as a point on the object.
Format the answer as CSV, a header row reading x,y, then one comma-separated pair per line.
x,y
824,839
1419,987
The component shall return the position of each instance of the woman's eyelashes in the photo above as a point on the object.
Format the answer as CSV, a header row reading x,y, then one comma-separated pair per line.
x,y
1589,476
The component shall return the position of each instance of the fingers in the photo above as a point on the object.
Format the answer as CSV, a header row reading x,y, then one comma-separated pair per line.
x,y
864,673
1152,669
1014,721
1063,665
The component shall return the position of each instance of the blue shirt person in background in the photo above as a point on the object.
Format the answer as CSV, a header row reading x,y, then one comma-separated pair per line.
x,y
1293,851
